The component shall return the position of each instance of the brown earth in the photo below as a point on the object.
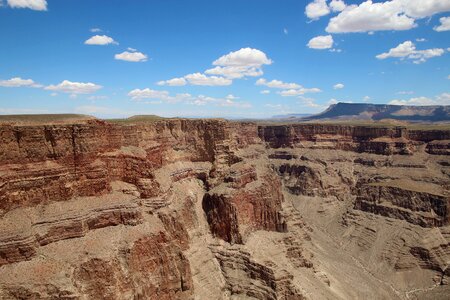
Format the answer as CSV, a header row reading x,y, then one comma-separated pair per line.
x,y
211,209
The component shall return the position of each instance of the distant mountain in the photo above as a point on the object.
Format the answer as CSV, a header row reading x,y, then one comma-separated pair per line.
x,y
365,111
290,116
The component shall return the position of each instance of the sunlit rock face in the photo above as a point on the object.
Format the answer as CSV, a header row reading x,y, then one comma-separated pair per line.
x,y
211,209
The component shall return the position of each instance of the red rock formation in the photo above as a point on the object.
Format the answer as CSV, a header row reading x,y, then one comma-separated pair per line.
x,y
137,186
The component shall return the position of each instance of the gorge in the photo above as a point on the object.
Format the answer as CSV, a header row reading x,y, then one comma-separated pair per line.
x,y
216,209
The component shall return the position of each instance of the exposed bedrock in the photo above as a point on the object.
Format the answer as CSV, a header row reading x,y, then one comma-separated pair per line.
x,y
377,140
211,209
232,211
418,207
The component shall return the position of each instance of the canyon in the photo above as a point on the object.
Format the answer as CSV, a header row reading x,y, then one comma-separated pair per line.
x,y
216,209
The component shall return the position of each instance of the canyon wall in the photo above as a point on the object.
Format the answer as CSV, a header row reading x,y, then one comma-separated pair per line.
x,y
195,209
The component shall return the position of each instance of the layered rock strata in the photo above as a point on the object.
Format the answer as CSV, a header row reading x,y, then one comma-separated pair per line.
x,y
211,209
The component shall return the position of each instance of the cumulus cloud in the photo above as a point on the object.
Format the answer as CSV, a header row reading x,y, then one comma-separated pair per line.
x,y
445,24
132,56
147,93
265,92
337,5
247,57
100,40
332,101
370,16
246,62
389,15
442,99
423,8
309,102
321,42
19,82
407,50
338,86
173,82
95,30
299,92
278,84
288,89
235,72
74,88
200,100
317,9
31,4
202,79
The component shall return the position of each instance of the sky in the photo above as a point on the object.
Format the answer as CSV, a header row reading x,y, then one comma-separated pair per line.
x,y
210,58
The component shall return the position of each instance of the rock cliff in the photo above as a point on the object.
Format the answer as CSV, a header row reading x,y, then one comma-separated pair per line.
x,y
212,209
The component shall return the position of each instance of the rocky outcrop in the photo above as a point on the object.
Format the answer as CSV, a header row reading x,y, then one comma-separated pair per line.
x,y
232,211
377,140
249,279
423,208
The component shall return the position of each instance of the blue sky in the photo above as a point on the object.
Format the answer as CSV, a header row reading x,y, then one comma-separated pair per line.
x,y
251,58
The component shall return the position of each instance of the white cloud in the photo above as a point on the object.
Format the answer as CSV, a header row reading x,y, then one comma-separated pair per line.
x,y
388,15
31,4
74,88
321,42
309,102
421,40
54,94
445,24
265,92
147,93
337,5
442,99
19,82
407,50
245,57
298,92
200,100
100,40
317,9
132,56
246,62
278,84
95,30
423,8
173,82
288,89
201,79
366,98
332,101
235,72
338,86
370,16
